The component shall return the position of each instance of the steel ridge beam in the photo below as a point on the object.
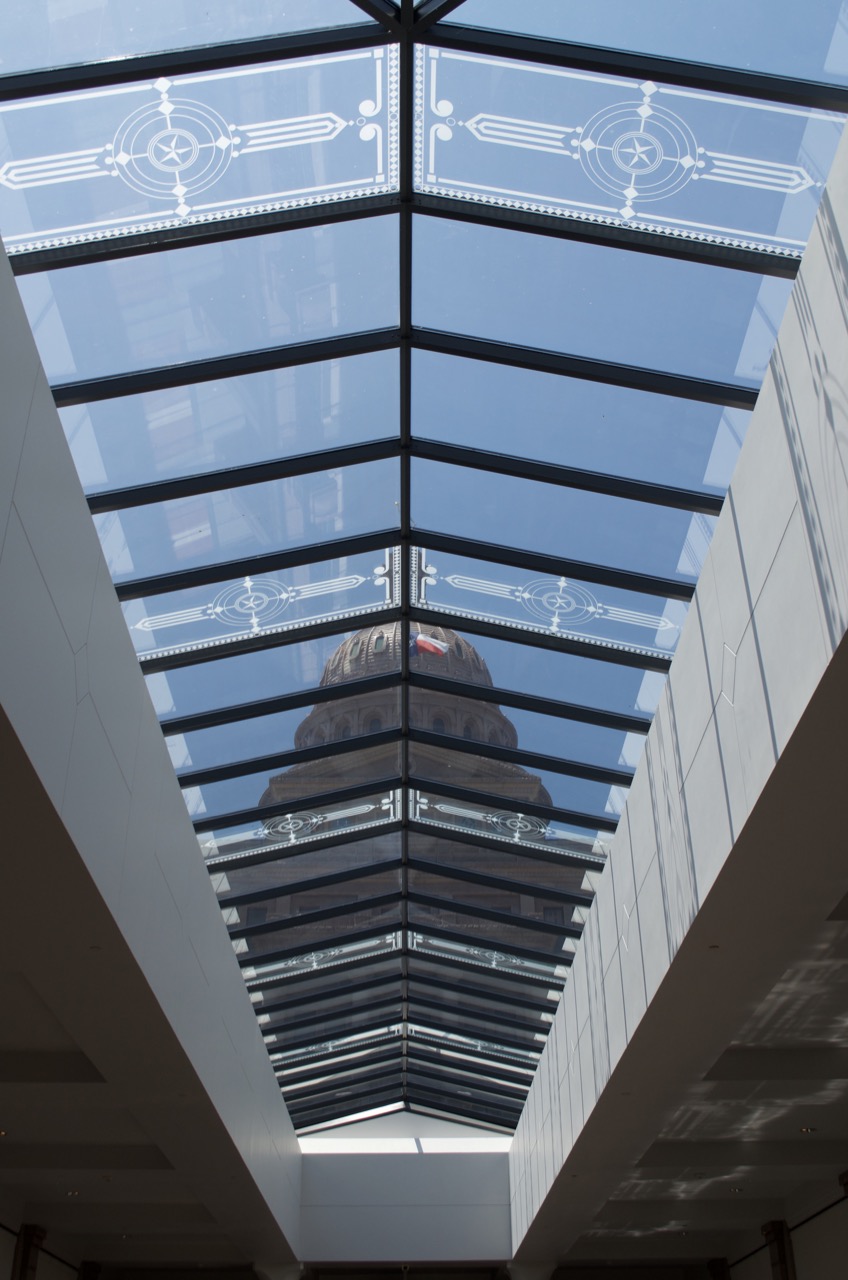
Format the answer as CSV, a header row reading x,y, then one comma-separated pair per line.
x,y
710,78
663,244
319,800
590,821
554,565
576,478
188,61
567,897
236,713
528,759
284,759
271,470
196,652
308,886
211,368
532,702
679,385
248,566
503,918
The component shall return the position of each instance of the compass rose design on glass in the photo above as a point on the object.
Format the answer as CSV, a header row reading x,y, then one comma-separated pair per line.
x,y
602,616
199,148
614,150
206,617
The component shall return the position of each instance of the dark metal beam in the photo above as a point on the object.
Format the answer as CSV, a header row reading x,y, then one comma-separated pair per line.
x,y
534,853
489,1019
610,486
527,759
679,385
327,1019
474,940
437,1100
280,851
334,991
384,12
284,759
307,918
644,66
236,713
343,1068
567,897
310,1100
470,991
318,1116
494,1091
617,720
340,967
429,11
657,243
271,958
472,966
189,61
310,1041
503,918
457,1115
349,875
273,469
163,377
434,1027
250,566
517,1086
345,1058
495,1067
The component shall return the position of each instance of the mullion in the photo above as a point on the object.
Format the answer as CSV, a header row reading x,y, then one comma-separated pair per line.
x,y
468,1074
284,852
223,479
272,958
469,1083
434,1103
471,992
502,1105
301,1088
337,971
283,759
551,960
188,61
311,1042
253,566
432,1026
337,1062
237,713
529,759
679,385
575,478
480,840
213,368
601,60
327,1019
592,822
490,1019
492,1068
572,898
318,1115
335,992
311,1100
313,917
213,650
317,800
463,964
617,720
503,918
307,886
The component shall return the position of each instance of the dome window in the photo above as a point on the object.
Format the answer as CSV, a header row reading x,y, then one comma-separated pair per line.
x,y
380,643
438,725
375,724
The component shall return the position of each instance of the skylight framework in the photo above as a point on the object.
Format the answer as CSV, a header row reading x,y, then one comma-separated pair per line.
x,y
405,364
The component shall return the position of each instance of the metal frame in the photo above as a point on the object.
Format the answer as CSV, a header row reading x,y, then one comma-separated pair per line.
x,y
502,1000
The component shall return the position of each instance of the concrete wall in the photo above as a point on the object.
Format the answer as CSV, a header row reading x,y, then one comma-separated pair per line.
x,y
770,610
400,1208
71,688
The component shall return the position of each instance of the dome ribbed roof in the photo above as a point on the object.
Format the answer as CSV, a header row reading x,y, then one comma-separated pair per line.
x,y
378,649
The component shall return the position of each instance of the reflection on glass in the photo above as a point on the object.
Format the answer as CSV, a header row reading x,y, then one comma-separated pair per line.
x,y
95,30
328,958
429,1034
217,615
573,422
522,830
210,300
197,148
620,151
231,524
809,41
595,301
601,617
233,422
487,957
354,1043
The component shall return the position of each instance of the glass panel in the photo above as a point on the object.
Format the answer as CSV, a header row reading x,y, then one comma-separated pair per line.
x,y
210,300
809,41
342,1004
494,861
583,680
323,981
434,1077
285,1033
382,1060
252,790
253,677
230,524
288,864
594,301
600,616
463,1093
485,984
269,977
318,933
467,1021
505,824
575,423
96,30
238,421
424,1031
625,152
195,149
469,1058
271,604
487,957
287,730
479,932
513,784
355,1043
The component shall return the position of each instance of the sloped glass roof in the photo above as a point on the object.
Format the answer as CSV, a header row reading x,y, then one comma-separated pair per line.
x,y
405,353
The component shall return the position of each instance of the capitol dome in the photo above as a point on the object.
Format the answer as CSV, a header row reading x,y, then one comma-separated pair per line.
x,y
377,650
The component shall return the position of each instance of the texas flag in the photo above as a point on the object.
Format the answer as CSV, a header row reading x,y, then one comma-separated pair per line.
x,y
419,643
